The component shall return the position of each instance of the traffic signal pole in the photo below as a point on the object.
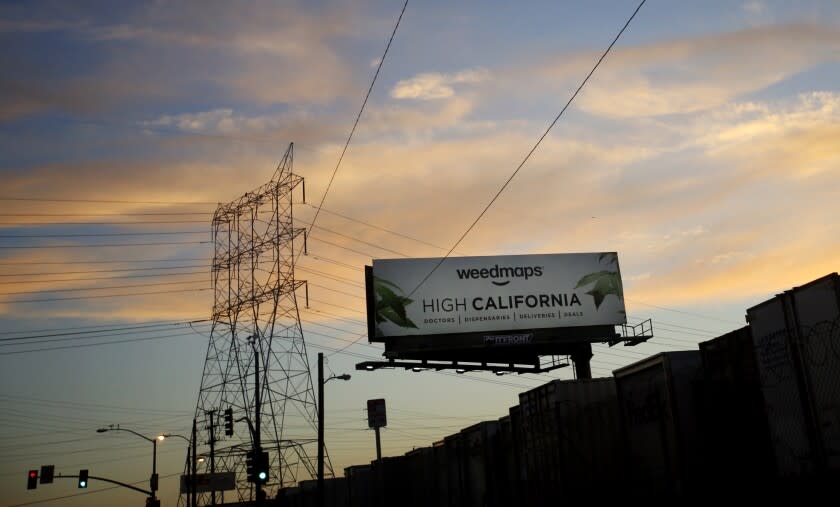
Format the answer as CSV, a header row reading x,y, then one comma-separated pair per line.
x,y
105,479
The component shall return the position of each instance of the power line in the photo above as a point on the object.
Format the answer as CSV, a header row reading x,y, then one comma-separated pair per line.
x,y
89,406
133,286
99,234
353,239
379,228
120,277
100,331
162,322
124,270
47,300
123,214
144,222
103,245
110,201
98,261
84,337
528,156
86,345
358,116
685,312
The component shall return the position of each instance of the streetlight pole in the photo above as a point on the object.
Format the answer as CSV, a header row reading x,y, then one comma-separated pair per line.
x,y
190,466
153,482
321,382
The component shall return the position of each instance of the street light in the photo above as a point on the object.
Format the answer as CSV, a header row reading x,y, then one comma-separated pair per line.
x,y
321,383
153,483
191,471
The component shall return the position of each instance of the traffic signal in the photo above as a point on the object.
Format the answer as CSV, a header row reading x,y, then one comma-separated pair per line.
x,y
262,467
229,422
47,474
83,479
249,466
32,479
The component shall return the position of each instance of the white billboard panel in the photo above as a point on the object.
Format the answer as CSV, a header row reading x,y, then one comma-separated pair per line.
x,y
495,293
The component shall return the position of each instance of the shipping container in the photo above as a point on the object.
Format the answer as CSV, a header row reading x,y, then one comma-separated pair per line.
x,y
570,440
454,452
289,497
358,479
389,481
423,488
442,496
510,480
797,340
657,400
305,494
481,464
737,450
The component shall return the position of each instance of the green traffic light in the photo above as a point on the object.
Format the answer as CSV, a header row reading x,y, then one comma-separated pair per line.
x,y
82,484
263,475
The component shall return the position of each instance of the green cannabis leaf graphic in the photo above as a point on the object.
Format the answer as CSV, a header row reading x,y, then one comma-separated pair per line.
x,y
605,282
389,305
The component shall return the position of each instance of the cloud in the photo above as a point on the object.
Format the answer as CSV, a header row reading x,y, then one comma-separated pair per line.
x,y
754,7
691,74
158,53
435,86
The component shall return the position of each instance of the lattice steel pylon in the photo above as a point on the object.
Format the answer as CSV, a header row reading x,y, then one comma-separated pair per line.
x,y
255,314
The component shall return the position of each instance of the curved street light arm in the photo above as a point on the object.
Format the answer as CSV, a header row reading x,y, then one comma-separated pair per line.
x,y
117,428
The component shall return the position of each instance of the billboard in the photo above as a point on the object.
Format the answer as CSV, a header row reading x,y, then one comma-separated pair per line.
x,y
504,299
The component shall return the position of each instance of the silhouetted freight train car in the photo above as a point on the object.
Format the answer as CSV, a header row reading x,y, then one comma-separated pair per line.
x,y
305,494
442,495
389,481
422,484
481,464
509,493
657,400
570,441
453,446
358,485
797,341
737,451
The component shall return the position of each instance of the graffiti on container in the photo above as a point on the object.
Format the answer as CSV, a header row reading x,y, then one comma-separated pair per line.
x,y
774,356
822,342
652,410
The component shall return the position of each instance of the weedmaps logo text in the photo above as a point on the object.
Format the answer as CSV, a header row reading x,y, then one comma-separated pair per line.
x,y
504,273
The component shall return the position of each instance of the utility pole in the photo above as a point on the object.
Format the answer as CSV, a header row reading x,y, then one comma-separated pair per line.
x,y
580,356
257,446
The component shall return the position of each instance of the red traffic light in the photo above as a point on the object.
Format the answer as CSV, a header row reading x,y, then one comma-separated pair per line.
x,y
32,479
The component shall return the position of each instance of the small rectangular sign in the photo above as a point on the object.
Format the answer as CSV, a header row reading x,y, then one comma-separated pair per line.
x,y
376,413
205,483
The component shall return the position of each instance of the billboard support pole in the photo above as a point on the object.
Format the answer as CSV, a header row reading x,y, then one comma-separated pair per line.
x,y
580,357
378,445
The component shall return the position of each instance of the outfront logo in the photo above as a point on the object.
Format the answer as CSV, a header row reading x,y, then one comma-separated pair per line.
x,y
498,275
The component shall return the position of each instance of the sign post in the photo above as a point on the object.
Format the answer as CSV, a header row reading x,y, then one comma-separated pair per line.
x,y
377,419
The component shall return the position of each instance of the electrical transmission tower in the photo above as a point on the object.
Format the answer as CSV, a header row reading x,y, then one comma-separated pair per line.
x,y
256,360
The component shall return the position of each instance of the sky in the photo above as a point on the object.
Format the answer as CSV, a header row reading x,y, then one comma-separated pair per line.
x,y
703,150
